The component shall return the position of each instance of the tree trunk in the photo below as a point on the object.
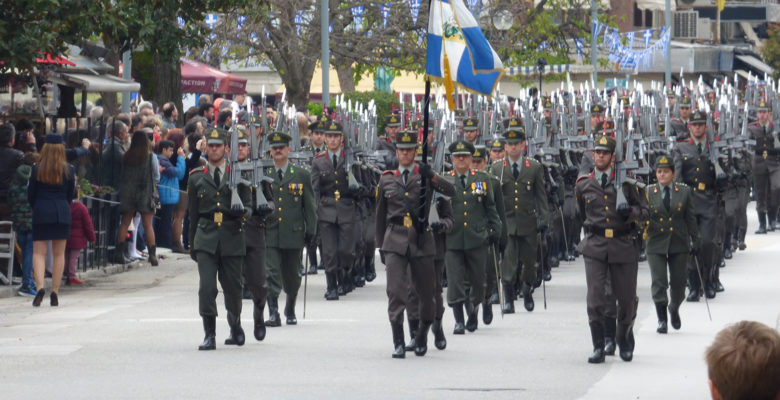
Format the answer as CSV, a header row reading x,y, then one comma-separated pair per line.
x,y
346,78
167,81
110,103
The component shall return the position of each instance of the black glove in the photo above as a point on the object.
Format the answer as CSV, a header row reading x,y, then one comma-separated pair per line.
x,y
624,209
264,210
307,238
572,171
426,171
236,211
193,255
694,251
541,229
382,257
502,246
438,227
352,191
561,200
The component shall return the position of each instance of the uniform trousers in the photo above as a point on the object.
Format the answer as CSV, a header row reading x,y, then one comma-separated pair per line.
x,y
402,269
707,250
338,245
254,271
283,266
466,266
519,249
766,182
228,270
674,280
622,279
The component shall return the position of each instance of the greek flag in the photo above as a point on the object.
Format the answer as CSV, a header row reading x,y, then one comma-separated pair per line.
x,y
458,52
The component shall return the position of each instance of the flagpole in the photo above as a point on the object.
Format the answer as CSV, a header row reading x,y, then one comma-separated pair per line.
x,y
422,216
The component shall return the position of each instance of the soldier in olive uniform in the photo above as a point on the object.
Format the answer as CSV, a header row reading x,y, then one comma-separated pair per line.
x,y
671,234
253,267
471,130
403,249
476,226
525,204
679,126
216,231
289,228
610,250
335,212
693,167
766,168
315,145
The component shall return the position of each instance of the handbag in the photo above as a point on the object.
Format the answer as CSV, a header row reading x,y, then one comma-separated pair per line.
x,y
155,201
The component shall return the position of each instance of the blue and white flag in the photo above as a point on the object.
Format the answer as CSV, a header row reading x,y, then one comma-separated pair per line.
x,y
458,52
211,20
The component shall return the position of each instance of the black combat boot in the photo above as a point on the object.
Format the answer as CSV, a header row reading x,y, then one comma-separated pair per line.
x,y
625,341
312,262
153,256
331,293
597,334
694,285
509,304
610,328
398,339
237,336
727,246
494,299
414,325
438,335
643,256
257,314
528,300
660,309
771,219
289,310
674,314
473,319
273,312
761,223
359,279
370,270
741,237
487,312
421,338
210,328
457,312
341,280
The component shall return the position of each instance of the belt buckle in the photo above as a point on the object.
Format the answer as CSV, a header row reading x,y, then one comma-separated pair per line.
x,y
337,195
609,233
765,154
407,221
702,186
218,218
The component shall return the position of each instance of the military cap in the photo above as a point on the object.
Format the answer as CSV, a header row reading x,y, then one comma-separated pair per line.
x,y
418,125
662,127
470,124
242,137
605,142
497,144
406,140
514,135
217,136
279,139
664,162
461,147
547,103
333,128
762,106
670,92
596,109
698,117
479,152
685,102
418,153
460,113
605,128
393,120
320,124
514,124
624,101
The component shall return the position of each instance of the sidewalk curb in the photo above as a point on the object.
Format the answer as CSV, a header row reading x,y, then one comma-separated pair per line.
x,y
7,291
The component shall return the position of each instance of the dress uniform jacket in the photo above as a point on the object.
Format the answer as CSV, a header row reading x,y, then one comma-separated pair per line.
x,y
331,191
766,157
672,231
679,128
474,210
525,200
295,209
696,171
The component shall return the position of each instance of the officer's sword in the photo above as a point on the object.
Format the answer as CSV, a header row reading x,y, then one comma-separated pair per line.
x,y
565,240
541,264
701,285
305,281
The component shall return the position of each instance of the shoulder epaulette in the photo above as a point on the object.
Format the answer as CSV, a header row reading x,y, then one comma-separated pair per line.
x,y
385,172
581,177
321,154
199,169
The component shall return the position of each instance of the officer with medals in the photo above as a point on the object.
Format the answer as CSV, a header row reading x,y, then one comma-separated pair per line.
x,y
693,167
291,227
407,254
216,231
766,168
609,249
335,212
476,226
672,233
521,180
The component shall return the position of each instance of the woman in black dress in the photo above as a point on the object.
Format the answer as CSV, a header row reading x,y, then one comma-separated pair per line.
x,y
50,190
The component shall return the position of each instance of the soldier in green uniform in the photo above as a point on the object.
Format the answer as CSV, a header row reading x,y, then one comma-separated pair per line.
x,y
610,250
497,152
526,214
316,145
679,126
407,254
471,130
476,226
671,234
766,168
217,234
291,226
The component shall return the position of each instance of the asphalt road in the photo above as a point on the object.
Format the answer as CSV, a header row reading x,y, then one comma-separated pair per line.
x,y
134,335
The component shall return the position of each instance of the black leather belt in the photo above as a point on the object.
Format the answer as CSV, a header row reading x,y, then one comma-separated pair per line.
x,y
609,233
219,217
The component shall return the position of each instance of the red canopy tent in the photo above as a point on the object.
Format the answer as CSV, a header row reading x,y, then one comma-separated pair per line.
x,y
197,77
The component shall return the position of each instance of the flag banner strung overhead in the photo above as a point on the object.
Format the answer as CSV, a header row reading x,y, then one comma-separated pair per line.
x,y
458,53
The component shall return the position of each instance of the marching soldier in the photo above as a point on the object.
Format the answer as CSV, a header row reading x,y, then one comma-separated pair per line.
x,y
497,152
335,212
679,126
479,162
289,228
597,124
609,249
525,204
672,233
216,231
471,130
694,168
404,250
316,145
392,128
476,226
766,168
253,267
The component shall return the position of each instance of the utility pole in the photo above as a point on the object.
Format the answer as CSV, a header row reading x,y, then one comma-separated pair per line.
x,y
594,17
325,48
668,55
127,66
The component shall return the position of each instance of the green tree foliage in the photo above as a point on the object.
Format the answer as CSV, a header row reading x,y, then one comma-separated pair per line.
x,y
771,49
384,104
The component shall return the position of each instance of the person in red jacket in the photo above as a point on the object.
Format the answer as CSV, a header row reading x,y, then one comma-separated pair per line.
x,y
81,230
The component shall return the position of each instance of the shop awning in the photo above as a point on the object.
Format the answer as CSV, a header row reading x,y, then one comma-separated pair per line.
x,y
100,83
757,65
655,5
202,78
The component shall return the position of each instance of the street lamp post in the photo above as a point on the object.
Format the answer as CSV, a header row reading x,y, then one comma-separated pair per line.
x,y
540,64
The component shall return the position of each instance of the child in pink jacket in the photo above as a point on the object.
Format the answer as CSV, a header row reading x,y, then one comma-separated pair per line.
x,y
81,230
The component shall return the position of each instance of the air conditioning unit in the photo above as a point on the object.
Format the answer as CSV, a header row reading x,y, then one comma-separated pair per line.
x,y
685,24
704,29
695,3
